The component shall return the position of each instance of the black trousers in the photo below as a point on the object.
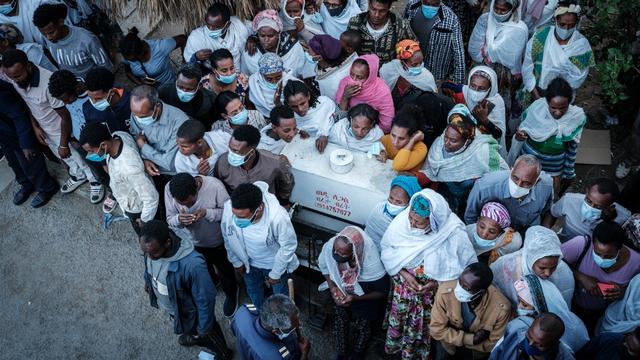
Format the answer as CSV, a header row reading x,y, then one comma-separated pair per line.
x,y
160,182
30,174
217,257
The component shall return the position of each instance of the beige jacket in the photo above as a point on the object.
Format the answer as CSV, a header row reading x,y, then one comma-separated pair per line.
x,y
492,314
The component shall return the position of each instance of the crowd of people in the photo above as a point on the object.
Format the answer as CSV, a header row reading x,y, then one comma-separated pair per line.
x,y
471,103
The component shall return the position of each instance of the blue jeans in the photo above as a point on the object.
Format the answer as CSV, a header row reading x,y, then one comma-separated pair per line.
x,y
256,285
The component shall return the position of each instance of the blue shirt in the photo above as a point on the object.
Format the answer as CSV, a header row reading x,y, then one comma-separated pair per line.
x,y
494,186
159,65
77,115
253,342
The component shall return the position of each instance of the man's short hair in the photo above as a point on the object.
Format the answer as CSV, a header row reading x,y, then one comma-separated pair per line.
x,y
550,323
182,186
62,82
14,56
99,78
49,13
219,9
276,312
610,233
155,230
246,196
93,134
483,272
280,112
150,93
247,133
604,186
191,71
191,131
529,160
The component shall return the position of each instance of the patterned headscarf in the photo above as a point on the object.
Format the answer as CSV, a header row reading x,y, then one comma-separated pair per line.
x,y
270,63
421,206
10,33
536,295
406,48
572,9
348,274
522,289
496,212
461,120
268,18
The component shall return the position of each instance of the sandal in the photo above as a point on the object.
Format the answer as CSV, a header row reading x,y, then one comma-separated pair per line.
x,y
109,204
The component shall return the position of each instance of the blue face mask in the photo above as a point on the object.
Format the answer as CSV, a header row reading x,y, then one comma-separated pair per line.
x,y
393,209
271,86
525,312
244,222
564,34
102,104
7,8
414,71
350,131
429,11
531,350
96,157
309,58
236,159
240,118
185,96
226,79
604,263
316,17
145,120
482,243
214,34
589,213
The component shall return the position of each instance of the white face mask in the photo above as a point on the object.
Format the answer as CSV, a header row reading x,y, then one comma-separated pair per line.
x,y
463,295
475,95
394,209
419,232
517,191
564,34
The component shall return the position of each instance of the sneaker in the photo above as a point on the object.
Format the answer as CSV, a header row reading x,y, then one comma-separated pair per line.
x,y
71,185
230,305
622,170
109,204
97,192
42,198
22,195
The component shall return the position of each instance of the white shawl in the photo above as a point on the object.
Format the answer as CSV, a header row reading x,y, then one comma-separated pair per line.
x,y
293,61
377,223
497,114
445,251
234,40
391,71
499,42
329,81
340,135
319,119
539,242
623,315
261,95
480,157
371,270
336,25
270,144
540,125
288,22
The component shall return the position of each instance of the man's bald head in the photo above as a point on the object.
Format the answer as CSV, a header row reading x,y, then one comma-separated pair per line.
x,y
545,332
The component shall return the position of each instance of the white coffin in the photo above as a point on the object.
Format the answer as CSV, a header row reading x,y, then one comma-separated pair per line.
x,y
349,196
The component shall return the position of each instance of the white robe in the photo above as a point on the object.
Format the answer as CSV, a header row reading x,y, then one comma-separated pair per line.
x,y
340,135
336,25
234,41
293,60
393,70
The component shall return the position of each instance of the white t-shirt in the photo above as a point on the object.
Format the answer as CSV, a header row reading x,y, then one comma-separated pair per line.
x,y
377,34
259,252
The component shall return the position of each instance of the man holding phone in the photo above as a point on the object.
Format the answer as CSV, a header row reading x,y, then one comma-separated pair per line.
x,y
602,266
195,204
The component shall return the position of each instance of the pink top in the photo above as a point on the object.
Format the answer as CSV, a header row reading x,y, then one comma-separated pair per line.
x,y
571,251
375,92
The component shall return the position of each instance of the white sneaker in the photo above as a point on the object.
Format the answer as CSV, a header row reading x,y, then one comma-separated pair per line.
x,y
97,192
71,185
622,170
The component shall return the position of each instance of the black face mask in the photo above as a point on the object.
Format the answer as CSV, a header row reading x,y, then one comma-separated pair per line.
x,y
340,259
337,11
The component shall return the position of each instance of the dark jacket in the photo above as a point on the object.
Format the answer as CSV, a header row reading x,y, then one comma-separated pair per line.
x,y
191,292
398,29
200,108
15,126
116,117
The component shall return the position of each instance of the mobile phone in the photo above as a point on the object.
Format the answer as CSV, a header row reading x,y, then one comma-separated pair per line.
x,y
604,287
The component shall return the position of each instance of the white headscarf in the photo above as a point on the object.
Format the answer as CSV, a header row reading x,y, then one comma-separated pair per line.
x,y
575,334
623,315
288,21
445,251
539,242
340,135
368,268
261,95
540,125
329,79
336,25
391,71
